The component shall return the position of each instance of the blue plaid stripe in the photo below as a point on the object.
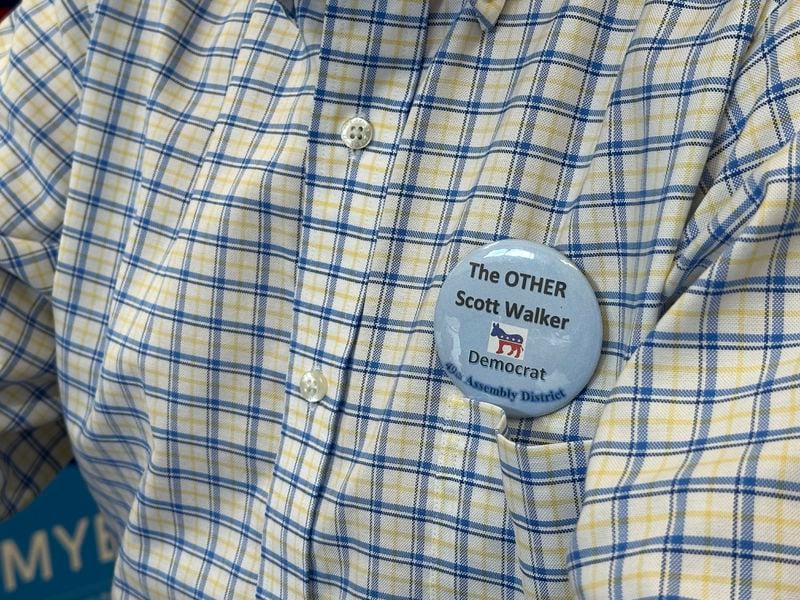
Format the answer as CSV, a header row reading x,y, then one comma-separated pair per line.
x,y
183,235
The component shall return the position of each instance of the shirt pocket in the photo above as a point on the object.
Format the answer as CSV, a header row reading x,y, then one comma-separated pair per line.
x,y
541,482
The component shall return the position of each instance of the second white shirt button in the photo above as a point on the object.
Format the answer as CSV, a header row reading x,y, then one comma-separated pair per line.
x,y
313,385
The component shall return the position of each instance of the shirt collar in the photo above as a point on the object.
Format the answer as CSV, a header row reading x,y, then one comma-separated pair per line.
x,y
487,12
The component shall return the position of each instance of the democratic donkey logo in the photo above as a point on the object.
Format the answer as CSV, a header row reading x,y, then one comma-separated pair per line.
x,y
507,340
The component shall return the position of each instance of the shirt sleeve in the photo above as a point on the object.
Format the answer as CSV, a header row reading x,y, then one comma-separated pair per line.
x,y
42,50
693,481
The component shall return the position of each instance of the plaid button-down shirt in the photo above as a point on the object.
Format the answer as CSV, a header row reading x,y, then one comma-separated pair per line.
x,y
183,235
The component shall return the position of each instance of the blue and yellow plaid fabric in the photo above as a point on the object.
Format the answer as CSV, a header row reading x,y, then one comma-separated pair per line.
x,y
183,234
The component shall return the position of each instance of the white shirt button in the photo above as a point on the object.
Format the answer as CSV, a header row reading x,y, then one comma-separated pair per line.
x,y
313,385
356,133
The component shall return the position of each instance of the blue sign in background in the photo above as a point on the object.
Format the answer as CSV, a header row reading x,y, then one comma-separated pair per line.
x,y
58,548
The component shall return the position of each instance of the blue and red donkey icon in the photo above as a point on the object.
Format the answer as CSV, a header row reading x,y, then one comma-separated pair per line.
x,y
513,341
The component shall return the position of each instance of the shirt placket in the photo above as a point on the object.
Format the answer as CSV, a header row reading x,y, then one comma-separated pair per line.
x,y
370,58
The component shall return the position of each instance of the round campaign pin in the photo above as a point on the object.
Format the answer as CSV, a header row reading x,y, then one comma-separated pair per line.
x,y
518,325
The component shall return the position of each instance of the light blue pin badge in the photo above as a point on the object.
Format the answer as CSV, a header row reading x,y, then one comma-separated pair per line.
x,y
518,325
